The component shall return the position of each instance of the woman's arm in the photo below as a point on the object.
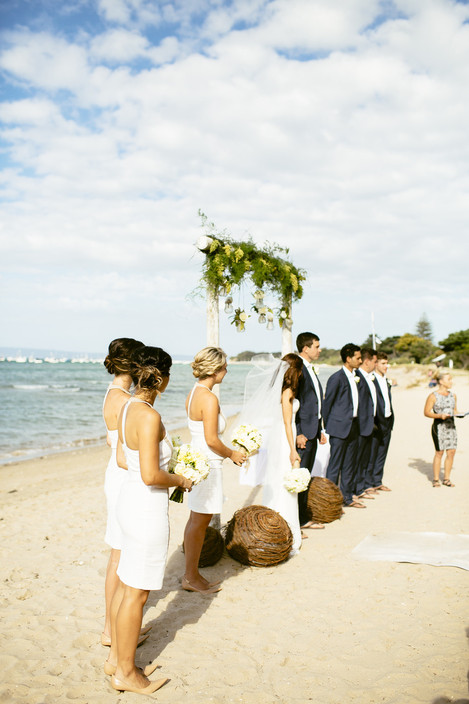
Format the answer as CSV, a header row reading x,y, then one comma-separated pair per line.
x,y
428,410
210,411
287,413
149,431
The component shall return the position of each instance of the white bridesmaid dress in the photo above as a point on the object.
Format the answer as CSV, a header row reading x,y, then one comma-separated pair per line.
x,y
142,513
113,480
206,497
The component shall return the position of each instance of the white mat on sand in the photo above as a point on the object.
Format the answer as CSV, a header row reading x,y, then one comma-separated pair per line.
x,y
438,549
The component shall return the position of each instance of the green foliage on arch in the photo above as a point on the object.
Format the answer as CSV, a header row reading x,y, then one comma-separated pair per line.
x,y
229,262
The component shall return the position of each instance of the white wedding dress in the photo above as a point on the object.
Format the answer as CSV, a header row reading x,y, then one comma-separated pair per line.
x,y
275,495
263,409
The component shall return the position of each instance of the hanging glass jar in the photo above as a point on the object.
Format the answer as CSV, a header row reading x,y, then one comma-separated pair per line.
x,y
228,305
259,296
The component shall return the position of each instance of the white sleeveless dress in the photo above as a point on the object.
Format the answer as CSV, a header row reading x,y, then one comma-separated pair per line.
x,y
206,497
113,480
142,513
275,495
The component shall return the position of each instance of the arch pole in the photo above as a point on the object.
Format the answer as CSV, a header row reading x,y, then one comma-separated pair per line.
x,y
287,339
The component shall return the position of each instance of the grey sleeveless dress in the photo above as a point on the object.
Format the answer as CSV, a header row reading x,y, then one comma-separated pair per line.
x,y
444,431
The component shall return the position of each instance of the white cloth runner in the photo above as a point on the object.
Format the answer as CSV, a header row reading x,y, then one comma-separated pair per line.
x,y
439,549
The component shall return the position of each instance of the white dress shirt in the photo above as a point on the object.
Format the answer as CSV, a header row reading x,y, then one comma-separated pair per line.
x,y
384,386
369,380
315,381
353,386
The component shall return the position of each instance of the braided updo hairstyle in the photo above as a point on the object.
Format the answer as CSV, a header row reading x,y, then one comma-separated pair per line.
x,y
208,362
121,350
149,366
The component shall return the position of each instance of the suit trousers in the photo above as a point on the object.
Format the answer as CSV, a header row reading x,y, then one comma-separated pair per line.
x,y
342,462
307,457
362,462
379,450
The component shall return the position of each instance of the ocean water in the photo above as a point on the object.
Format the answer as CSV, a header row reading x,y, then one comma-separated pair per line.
x,y
46,408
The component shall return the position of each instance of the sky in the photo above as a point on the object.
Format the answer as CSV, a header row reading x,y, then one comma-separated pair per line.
x,y
334,128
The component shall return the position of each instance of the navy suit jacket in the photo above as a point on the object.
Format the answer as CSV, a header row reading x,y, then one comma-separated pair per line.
x,y
307,421
366,418
337,409
380,418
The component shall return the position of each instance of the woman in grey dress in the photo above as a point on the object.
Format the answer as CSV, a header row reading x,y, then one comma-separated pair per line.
x,y
441,405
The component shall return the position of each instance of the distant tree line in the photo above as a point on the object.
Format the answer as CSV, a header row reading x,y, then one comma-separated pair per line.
x,y
415,347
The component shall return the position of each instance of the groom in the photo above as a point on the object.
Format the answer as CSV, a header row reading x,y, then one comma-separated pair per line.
x,y
308,417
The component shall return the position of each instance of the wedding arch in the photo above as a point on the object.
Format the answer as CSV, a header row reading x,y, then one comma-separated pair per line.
x,y
230,265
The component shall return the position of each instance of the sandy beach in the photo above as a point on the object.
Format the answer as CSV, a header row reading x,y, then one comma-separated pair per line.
x,y
324,627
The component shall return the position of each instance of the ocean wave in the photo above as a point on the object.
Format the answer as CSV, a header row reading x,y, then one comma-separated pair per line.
x,y
29,387
58,388
64,388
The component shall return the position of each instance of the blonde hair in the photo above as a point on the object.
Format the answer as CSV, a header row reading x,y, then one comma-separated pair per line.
x,y
208,362
441,373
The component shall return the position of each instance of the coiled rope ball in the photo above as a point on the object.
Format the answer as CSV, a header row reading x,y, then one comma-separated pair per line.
x,y
325,500
258,536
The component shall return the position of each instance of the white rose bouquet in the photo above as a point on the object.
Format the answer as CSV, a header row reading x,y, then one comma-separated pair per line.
x,y
247,437
297,479
189,463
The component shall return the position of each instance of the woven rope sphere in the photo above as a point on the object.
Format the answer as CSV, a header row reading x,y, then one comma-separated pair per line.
x,y
212,549
325,500
259,536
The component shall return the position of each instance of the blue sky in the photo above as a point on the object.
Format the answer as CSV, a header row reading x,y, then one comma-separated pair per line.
x,y
336,128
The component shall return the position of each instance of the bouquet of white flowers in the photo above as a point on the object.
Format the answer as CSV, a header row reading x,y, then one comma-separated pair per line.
x,y
190,463
297,479
247,437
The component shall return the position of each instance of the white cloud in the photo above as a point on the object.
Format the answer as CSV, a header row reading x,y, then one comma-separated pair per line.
x,y
44,61
126,12
118,45
357,161
115,10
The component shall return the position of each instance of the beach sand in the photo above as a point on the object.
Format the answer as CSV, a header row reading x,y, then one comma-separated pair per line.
x,y
323,627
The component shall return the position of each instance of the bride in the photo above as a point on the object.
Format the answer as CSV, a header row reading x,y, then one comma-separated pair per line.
x,y
272,408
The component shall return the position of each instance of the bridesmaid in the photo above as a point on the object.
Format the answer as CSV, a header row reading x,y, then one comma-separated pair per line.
x,y
206,423
117,362
142,512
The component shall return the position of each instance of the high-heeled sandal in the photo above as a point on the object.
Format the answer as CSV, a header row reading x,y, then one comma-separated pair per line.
x,y
188,587
146,671
122,686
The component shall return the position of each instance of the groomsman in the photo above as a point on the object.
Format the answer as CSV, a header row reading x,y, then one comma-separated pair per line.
x,y
385,422
309,416
340,412
367,405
